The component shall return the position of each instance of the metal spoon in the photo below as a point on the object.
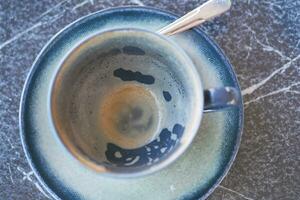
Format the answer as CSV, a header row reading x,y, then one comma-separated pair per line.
x,y
197,16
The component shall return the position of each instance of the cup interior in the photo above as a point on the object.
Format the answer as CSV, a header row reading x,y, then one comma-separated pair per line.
x,y
126,101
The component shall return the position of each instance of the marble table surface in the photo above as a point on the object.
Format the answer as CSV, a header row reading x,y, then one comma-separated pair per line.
x,y
261,39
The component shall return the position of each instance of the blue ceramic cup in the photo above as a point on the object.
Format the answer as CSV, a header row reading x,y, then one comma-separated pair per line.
x,y
128,102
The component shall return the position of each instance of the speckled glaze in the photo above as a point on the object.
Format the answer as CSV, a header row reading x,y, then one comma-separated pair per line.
x,y
194,175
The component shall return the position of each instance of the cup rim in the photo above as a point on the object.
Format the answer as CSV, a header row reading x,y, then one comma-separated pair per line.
x,y
186,139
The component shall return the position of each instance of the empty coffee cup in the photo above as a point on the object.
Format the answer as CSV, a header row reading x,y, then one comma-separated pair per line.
x,y
128,102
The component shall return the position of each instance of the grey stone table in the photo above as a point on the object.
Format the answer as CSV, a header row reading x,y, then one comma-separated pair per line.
x,y
260,37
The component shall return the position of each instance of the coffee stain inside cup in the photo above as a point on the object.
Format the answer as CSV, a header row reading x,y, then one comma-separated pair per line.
x,y
129,116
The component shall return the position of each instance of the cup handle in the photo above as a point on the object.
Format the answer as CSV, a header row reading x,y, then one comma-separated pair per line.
x,y
216,99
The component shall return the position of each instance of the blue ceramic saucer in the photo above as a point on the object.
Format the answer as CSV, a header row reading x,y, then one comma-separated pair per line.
x,y
193,176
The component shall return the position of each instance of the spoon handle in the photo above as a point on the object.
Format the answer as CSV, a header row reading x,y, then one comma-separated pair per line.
x,y
197,16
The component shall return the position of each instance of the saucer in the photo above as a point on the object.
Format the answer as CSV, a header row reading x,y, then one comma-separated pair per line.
x,y
193,176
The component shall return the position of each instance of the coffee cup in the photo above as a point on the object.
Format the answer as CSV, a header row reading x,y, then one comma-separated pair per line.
x,y
128,102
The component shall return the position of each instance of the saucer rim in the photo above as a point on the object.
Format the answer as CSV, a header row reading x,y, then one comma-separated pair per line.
x,y
50,43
